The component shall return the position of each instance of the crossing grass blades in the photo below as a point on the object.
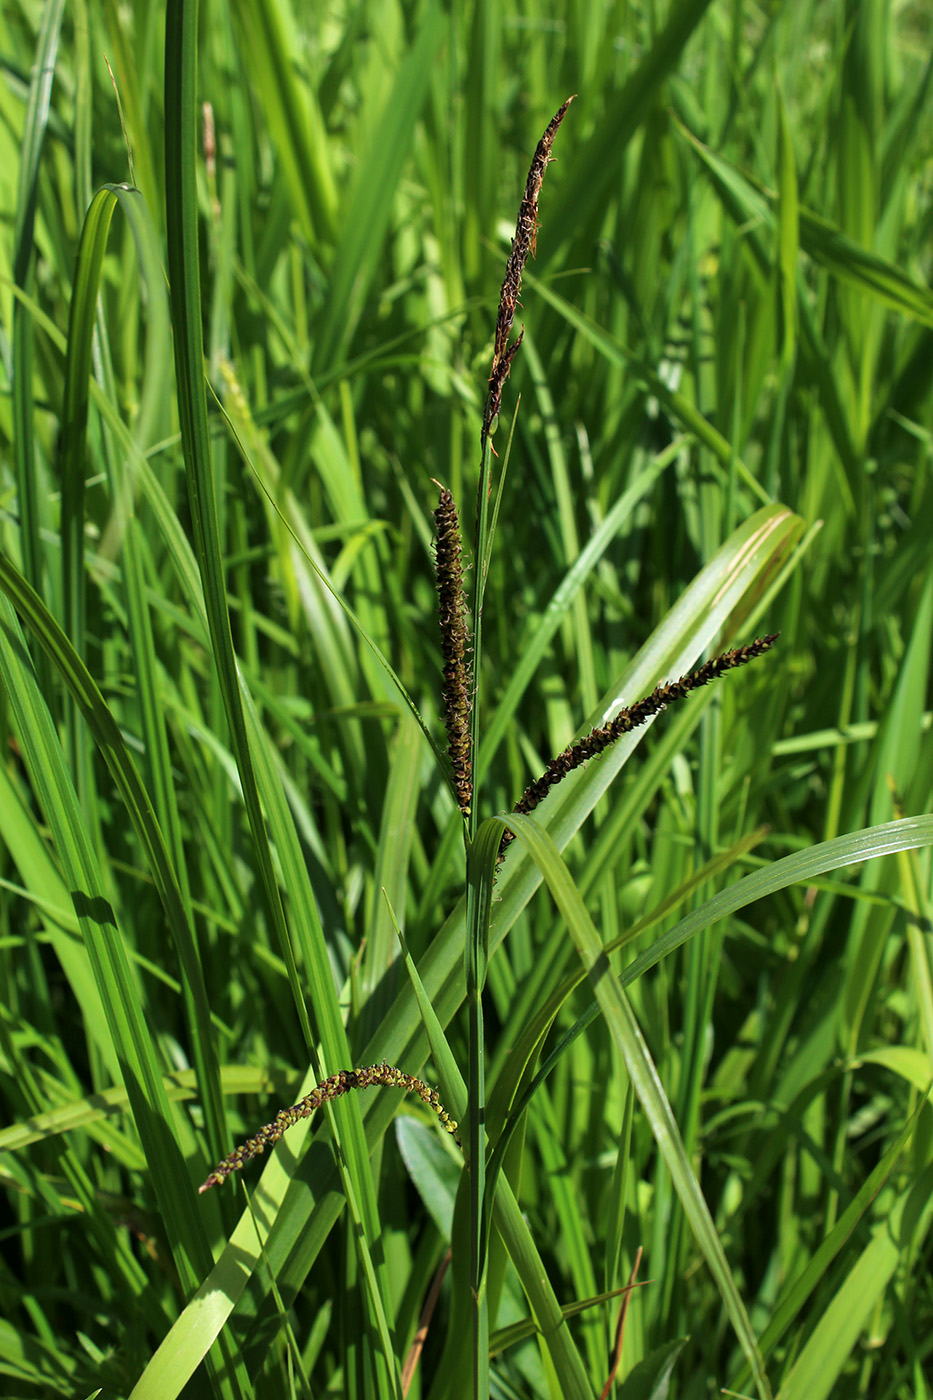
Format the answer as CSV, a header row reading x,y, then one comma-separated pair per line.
x,y
460,710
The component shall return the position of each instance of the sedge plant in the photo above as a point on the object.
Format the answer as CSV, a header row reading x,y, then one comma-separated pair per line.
x,y
244,322
461,711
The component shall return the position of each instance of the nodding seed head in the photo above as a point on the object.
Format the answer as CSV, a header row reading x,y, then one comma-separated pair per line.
x,y
369,1077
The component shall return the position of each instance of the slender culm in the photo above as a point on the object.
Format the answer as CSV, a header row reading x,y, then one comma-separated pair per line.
x,y
455,646
630,718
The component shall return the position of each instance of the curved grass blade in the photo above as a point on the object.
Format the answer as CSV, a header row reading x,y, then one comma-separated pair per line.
x,y
34,128
801,1288
627,1035
726,586
819,1367
800,868
126,1020
100,721
507,1108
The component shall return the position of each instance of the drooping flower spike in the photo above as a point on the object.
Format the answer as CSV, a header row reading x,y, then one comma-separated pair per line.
x,y
385,1075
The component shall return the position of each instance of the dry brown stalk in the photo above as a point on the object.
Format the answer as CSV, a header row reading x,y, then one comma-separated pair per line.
x,y
620,1328
424,1322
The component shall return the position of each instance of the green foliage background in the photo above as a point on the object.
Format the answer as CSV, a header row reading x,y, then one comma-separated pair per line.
x,y
231,367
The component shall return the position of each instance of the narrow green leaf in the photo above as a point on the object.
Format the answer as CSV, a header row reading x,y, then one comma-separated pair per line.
x,y
368,206
302,144
116,984
817,1370
788,237
849,261
627,1035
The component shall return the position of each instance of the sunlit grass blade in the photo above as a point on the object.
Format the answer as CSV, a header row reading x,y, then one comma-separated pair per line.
x,y
800,1289
592,171
366,211
452,1085
816,1372
100,722
788,221
625,1030
269,29
828,244
78,369
33,137
180,1087
391,872
116,984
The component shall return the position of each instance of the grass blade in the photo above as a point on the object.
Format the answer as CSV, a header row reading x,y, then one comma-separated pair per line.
x,y
627,1034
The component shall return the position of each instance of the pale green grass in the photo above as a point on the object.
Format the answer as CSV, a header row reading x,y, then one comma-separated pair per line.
x,y
706,1022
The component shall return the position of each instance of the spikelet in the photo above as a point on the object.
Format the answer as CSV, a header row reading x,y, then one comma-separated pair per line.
x,y
454,644
524,242
631,718
388,1076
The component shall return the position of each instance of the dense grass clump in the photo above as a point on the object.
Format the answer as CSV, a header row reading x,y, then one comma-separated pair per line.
x,y
269,703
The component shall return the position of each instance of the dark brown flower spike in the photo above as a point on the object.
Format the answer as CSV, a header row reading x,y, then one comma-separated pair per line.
x,y
333,1088
524,242
454,644
497,379
630,718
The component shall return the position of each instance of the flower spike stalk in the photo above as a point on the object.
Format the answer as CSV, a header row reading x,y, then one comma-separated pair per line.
x,y
524,242
388,1076
457,689
630,718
